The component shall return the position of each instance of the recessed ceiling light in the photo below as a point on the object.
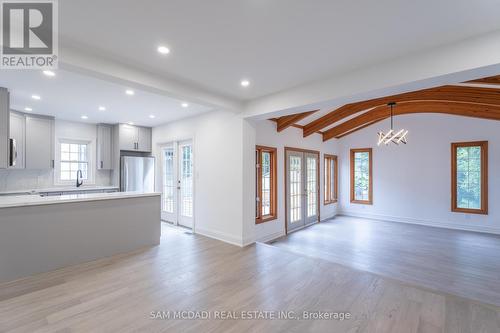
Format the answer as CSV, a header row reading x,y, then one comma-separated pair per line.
x,y
84,117
184,105
130,92
163,49
152,116
245,83
28,109
102,108
37,97
130,123
49,73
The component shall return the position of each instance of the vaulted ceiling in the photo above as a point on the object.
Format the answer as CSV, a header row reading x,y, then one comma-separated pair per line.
x,y
479,99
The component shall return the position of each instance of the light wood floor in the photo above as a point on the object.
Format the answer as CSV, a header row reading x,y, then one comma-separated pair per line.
x,y
190,272
463,263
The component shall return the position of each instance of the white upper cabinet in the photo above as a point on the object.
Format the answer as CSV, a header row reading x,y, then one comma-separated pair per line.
x,y
144,142
4,128
18,134
104,147
135,138
129,135
39,142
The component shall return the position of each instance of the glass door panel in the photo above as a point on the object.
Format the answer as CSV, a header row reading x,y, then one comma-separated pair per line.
x,y
186,184
301,188
312,187
169,195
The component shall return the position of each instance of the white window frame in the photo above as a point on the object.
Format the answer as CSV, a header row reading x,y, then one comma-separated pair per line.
x,y
90,160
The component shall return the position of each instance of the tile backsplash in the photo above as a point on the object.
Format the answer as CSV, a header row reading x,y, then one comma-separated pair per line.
x,y
15,180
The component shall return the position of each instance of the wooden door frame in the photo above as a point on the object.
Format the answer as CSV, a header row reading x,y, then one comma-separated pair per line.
x,y
318,164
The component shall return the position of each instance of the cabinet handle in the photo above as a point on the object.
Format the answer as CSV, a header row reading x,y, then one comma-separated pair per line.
x,y
53,164
102,164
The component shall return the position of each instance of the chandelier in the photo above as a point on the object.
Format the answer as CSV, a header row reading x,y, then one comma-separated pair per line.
x,y
393,136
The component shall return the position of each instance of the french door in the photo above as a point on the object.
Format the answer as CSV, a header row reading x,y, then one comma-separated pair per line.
x,y
302,188
177,178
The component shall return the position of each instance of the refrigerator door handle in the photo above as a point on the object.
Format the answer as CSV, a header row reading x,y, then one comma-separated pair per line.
x,y
13,152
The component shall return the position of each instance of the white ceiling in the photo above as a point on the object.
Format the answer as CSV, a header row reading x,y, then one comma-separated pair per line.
x,y
275,44
69,96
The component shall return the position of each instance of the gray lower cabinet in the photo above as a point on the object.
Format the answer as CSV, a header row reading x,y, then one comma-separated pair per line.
x,y
39,142
134,138
18,134
104,147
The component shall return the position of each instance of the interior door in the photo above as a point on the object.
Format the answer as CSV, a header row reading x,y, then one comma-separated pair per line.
x,y
178,183
301,188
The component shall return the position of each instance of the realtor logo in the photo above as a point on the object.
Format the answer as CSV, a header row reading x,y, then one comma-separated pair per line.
x,y
29,34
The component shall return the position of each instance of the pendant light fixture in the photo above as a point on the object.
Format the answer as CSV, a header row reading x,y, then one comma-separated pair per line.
x,y
393,136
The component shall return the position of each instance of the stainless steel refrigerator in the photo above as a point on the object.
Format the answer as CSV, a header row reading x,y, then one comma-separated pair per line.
x,y
137,174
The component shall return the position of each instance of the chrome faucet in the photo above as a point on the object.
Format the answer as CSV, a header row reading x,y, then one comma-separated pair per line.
x,y
79,178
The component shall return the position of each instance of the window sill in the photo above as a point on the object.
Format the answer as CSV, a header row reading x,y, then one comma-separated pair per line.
x,y
325,203
470,211
362,202
266,219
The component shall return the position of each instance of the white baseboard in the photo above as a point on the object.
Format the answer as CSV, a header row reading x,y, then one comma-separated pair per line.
x,y
271,237
437,224
221,236
331,216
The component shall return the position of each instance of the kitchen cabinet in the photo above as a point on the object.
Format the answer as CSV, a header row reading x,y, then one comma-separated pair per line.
x,y
4,128
104,147
134,138
18,134
128,137
144,142
39,142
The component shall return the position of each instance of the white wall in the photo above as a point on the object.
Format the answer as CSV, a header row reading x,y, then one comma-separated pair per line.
x,y
12,180
218,168
412,183
267,135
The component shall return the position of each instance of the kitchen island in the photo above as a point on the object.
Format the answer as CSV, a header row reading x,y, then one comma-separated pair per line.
x,y
40,234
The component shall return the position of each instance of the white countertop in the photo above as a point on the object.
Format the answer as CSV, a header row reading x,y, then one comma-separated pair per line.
x,y
36,200
61,189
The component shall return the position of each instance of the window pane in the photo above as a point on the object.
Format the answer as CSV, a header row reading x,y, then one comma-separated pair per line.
x,y
73,158
361,176
332,179
327,176
64,156
468,177
266,183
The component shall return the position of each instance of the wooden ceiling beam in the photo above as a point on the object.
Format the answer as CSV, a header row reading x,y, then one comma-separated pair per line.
x,y
466,94
487,80
474,110
287,121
